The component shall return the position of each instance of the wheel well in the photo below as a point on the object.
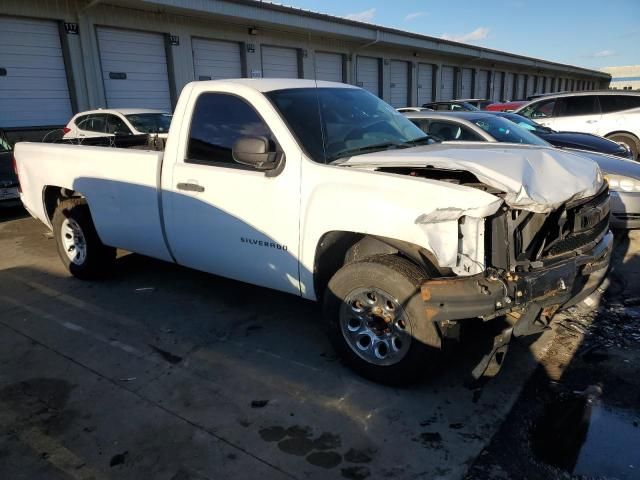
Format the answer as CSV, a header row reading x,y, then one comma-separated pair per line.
x,y
623,132
337,248
52,196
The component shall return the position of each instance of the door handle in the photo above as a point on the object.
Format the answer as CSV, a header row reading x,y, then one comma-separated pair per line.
x,y
190,187
592,121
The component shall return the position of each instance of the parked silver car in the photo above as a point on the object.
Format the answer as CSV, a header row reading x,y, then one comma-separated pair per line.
x,y
623,175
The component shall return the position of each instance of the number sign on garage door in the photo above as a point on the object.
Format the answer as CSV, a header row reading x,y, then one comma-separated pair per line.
x,y
466,83
447,83
134,69
399,83
215,59
483,84
279,62
33,83
368,74
329,66
425,83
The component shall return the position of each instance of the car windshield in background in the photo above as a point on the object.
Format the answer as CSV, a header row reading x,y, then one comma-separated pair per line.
x,y
334,123
150,122
506,131
525,123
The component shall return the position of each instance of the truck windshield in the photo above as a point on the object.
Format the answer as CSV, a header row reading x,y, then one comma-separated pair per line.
x,y
150,122
335,123
504,130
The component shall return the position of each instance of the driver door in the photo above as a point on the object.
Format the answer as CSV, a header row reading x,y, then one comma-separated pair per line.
x,y
226,218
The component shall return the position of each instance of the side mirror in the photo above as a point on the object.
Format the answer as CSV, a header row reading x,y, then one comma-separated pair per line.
x,y
254,151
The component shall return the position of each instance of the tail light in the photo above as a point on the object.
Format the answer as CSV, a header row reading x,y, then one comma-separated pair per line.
x,y
15,170
65,130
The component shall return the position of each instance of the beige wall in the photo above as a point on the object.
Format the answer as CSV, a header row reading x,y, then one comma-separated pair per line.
x,y
627,77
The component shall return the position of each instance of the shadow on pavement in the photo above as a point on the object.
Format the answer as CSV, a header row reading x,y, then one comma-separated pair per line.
x,y
579,413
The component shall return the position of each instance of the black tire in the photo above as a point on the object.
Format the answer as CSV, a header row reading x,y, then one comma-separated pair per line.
x,y
401,280
98,258
630,140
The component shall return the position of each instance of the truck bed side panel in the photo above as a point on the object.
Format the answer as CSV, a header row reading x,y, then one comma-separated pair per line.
x,y
120,187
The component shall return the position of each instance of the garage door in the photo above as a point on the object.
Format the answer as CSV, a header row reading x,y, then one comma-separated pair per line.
x,y
530,85
508,86
33,83
215,59
447,85
368,74
399,84
280,62
520,86
466,84
134,69
483,84
329,66
498,80
425,83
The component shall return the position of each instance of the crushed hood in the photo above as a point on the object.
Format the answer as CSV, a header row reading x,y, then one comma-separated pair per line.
x,y
537,179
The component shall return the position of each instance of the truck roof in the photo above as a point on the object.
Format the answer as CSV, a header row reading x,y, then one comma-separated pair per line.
x,y
270,84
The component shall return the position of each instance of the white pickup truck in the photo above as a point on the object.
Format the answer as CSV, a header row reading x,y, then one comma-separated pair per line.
x,y
323,190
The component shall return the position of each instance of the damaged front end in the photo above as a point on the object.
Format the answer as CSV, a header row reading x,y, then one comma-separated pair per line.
x,y
536,264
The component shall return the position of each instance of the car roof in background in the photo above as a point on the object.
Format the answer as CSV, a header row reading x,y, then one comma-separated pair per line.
x,y
123,111
442,102
587,92
468,116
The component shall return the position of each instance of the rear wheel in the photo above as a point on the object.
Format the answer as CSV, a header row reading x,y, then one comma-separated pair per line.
x,y
79,246
377,320
626,139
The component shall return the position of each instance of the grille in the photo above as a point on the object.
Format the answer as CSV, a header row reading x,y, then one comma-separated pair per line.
x,y
578,240
584,224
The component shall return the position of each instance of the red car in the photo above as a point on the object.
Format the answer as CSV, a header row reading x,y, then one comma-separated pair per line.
x,y
506,106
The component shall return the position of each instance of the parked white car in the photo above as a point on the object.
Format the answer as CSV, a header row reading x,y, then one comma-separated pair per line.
x,y
324,191
611,114
122,121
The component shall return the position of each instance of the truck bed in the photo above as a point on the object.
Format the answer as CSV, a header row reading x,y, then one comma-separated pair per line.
x,y
120,185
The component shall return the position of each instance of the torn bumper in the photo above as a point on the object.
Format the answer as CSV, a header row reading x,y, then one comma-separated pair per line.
x,y
487,295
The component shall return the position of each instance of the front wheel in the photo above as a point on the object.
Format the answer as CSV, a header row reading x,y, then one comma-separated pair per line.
x,y
377,320
79,246
626,139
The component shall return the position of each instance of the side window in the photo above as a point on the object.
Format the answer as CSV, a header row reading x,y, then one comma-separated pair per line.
x,y
579,105
421,124
469,136
541,109
445,130
617,103
116,125
80,121
218,121
98,123
92,123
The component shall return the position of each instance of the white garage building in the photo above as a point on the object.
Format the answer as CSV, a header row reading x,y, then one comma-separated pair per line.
x,y
60,57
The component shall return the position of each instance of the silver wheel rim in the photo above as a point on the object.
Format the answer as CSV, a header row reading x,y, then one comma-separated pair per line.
x,y
375,326
73,241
